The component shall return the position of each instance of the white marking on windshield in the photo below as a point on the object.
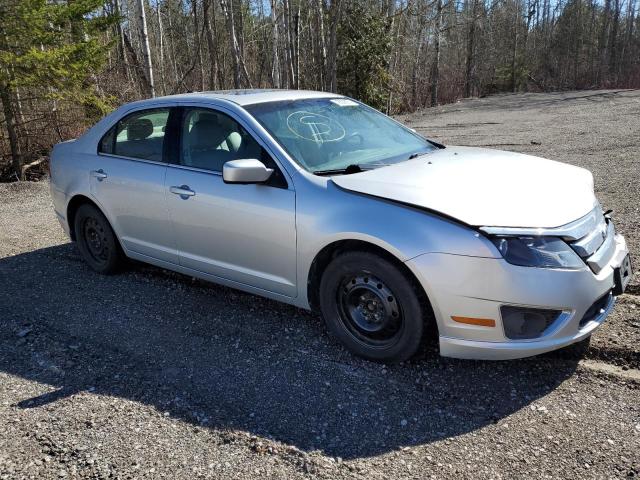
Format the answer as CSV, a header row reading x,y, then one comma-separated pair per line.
x,y
315,127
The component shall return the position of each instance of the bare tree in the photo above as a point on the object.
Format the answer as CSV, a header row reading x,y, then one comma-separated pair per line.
x,y
395,54
604,38
471,37
322,46
240,74
122,51
161,46
211,44
296,47
275,62
435,69
514,50
146,51
331,77
12,130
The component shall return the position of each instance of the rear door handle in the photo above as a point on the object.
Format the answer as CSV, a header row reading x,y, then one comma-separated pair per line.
x,y
183,190
99,174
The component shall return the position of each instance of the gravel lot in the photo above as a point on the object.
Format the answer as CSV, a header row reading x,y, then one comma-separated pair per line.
x,y
151,374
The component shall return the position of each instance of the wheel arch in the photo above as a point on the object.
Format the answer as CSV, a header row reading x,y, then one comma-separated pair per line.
x,y
72,208
333,249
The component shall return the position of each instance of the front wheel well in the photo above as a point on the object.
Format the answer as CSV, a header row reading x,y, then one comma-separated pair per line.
x,y
331,251
72,208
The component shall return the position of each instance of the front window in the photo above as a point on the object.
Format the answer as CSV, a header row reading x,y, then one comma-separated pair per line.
x,y
210,138
333,134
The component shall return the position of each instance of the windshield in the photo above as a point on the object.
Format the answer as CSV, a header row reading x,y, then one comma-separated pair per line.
x,y
331,134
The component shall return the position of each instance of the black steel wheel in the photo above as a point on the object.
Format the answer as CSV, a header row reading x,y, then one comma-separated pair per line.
x,y
369,310
96,241
372,307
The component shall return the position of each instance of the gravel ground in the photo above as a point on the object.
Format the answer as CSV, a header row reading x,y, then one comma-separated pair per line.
x,y
151,374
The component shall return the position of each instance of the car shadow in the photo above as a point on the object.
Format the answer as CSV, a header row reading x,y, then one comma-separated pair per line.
x,y
223,359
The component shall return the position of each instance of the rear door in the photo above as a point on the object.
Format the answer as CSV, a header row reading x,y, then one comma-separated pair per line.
x,y
127,179
243,233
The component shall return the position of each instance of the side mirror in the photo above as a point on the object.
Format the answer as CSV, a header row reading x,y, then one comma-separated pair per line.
x,y
245,171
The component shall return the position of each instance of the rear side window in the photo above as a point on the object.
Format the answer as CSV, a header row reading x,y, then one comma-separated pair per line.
x,y
139,135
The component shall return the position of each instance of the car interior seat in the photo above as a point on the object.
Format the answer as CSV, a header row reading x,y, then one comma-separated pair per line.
x,y
139,141
206,146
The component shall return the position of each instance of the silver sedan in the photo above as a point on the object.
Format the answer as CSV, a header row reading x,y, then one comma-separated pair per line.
x,y
319,201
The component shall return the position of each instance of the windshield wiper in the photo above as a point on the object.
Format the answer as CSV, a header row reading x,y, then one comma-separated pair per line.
x,y
353,168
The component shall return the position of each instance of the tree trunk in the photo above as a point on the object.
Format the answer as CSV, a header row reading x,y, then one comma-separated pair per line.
x,y
240,74
239,20
197,43
613,39
514,53
602,44
322,47
435,68
146,51
172,52
289,50
393,53
414,71
335,12
468,79
144,80
10,124
591,49
211,44
296,48
121,47
577,43
161,47
628,37
275,61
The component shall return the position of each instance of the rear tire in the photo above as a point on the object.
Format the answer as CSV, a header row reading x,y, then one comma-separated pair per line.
x,y
372,307
96,240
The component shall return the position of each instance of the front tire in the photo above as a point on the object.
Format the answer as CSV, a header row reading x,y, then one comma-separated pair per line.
x,y
96,240
372,307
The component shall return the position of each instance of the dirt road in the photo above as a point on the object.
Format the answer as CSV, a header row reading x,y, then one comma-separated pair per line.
x,y
150,374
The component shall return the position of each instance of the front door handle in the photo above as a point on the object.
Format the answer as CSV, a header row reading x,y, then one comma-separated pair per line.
x,y
183,190
98,174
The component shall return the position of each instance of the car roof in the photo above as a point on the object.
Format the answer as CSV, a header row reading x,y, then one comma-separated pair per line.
x,y
245,97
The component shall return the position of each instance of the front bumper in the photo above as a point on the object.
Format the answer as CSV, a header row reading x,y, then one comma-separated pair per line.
x,y
477,287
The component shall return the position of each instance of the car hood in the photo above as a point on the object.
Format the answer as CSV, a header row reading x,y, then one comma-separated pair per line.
x,y
483,187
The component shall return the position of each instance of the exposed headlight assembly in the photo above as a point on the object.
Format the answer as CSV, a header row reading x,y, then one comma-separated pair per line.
x,y
541,252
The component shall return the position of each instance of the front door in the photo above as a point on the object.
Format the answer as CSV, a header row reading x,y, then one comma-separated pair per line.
x,y
242,233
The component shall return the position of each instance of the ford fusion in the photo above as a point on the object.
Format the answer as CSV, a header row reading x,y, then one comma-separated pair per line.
x,y
319,201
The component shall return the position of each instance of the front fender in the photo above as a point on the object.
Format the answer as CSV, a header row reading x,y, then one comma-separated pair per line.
x,y
405,232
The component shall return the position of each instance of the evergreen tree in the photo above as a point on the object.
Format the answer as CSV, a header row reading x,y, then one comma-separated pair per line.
x,y
364,45
50,48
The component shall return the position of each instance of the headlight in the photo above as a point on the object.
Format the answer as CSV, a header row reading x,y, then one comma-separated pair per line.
x,y
542,252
